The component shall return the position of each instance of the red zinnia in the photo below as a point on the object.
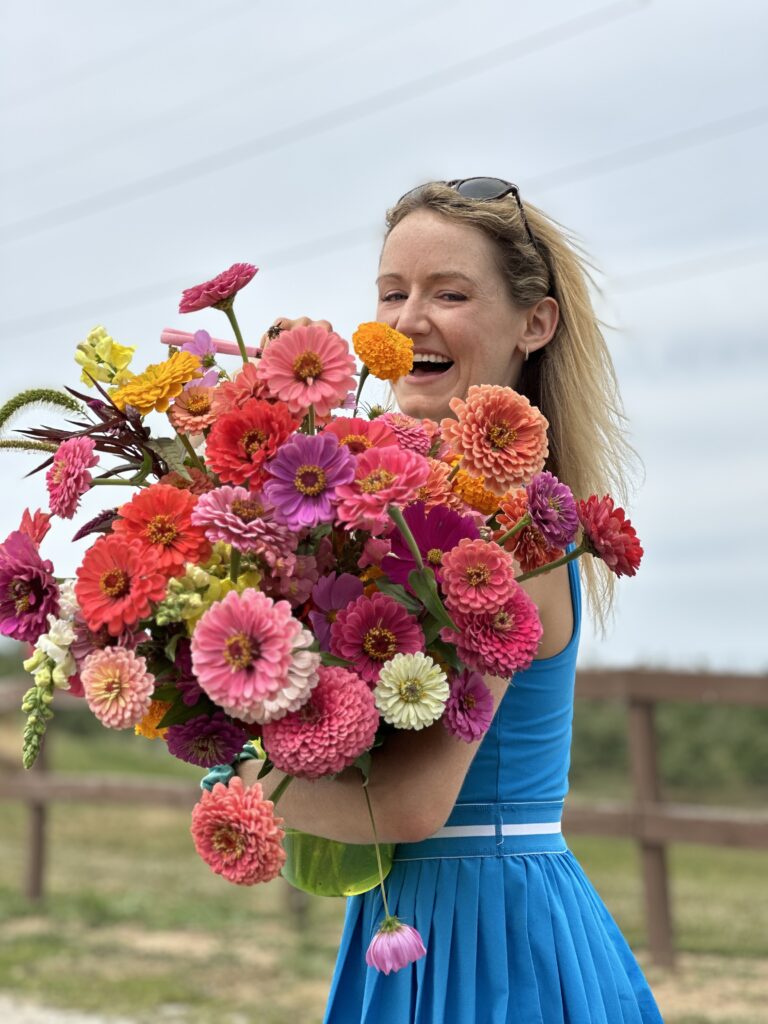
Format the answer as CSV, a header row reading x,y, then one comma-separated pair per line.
x,y
117,583
160,518
219,291
609,535
242,440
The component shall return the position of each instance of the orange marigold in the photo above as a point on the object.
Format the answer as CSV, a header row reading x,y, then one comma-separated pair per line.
x,y
387,353
147,727
159,383
471,490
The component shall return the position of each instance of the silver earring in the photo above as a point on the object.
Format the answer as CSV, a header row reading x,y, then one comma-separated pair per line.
x,y
526,354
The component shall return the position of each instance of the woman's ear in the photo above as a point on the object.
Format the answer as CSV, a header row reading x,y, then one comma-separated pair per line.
x,y
540,324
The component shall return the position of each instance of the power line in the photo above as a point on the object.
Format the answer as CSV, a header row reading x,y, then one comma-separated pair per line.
x,y
673,273
319,124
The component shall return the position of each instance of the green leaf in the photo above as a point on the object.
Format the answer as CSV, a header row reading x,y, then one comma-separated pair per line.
x,y
330,659
172,452
266,768
400,594
431,628
170,648
325,867
447,654
179,712
363,762
424,585
168,691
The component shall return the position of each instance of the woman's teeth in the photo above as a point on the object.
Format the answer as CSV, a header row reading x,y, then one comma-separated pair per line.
x,y
430,363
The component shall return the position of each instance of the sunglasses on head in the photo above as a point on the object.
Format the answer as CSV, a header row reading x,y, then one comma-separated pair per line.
x,y
482,189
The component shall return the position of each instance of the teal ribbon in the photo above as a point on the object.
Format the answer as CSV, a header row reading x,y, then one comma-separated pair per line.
x,y
224,772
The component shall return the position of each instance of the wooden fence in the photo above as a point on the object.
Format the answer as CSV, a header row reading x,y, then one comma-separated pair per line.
x,y
652,823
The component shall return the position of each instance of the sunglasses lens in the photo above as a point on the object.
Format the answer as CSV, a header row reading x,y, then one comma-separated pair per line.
x,y
484,188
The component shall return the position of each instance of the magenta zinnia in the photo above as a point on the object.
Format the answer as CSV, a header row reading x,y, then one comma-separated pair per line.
x,y
304,476
237,834
246,520
609,535
219,291
372,630
498,643
68,478
435,533
28,591
117,687
383,477
469,708
478,576
308,366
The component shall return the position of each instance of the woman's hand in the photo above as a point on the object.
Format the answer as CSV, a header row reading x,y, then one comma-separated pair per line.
x,y
284,323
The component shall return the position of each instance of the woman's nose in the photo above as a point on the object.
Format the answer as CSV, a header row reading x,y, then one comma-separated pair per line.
x,y
412,317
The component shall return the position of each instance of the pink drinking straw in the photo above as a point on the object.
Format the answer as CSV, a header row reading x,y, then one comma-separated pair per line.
x,y
170,336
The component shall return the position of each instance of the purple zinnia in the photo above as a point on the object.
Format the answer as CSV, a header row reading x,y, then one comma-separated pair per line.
x,y
28,591
206,740
305,474
469,708
244,519
201,345
191,691
435,533
552,509
330,594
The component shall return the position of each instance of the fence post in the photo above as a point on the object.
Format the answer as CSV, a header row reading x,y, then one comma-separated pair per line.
x,y
36,838
653,855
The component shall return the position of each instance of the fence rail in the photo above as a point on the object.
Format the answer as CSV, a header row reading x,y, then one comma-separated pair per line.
x,y
646,819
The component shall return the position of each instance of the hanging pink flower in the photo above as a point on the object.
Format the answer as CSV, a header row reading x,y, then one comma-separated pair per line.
x,y
469,708
236,832
371,630
359,435
117,687
477,576
383,477
308,366
499,643
395,945
68,478
219,291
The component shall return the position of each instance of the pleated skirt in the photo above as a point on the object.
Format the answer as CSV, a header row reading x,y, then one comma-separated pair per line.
x,y
520,938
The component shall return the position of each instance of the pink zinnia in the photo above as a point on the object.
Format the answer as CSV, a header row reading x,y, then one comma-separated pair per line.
x,y
371,631
359,435
244,519
68,478
477,576
219,291
304,478
469,709
198,482
237,834
383,477
394,945
233,394
336,725
117,687
437,490
413,435
308,366
251,657
498,643
192,411
609,535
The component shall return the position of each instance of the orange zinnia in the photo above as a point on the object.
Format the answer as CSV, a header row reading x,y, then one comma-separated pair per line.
x,y
160,519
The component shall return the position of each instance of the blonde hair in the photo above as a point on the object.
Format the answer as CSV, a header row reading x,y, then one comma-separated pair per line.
x,y
571,379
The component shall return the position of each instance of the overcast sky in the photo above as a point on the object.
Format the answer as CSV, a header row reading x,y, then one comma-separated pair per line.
x,y
147,146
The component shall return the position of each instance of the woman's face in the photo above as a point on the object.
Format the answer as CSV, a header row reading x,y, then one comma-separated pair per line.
x,y
439,284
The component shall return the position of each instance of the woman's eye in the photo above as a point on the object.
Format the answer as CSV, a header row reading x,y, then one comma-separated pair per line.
x,y
392,297
453,296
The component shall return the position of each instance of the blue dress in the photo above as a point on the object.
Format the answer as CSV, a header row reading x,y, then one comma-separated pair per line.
x,y
514,930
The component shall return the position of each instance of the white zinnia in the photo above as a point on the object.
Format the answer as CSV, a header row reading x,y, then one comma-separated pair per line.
x,y
411,691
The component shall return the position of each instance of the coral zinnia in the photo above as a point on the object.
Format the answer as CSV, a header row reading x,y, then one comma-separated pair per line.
x,y
609,535
371,631
383,477
469,709
206,740
28,592
36,525
437,490
498,643
336,725
394,945
411,691
359,435
552,509
528,546
117,583
387,353
237,834
220,291
246,520
160,518
330,594
68,478
413,435
435,532
233,394
501,437
308,366
117,687
304,476
251,657
478,576
159,383
192,411
241,441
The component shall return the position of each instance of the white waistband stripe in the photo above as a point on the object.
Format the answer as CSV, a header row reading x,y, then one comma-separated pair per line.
x,y
534,828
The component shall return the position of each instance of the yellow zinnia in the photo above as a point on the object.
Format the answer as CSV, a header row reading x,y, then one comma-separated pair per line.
x,y
159,383
387,353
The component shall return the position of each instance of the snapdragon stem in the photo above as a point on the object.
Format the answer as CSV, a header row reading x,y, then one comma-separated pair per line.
x,y
396,515
238,336
570,557
364,374
280,788
234,564
525,521
376,845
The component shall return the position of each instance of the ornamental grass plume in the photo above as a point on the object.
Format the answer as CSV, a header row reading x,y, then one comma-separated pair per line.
x,y
499,643
609,535
385,352
159,518
372,630
241,441
246,520
308,366
117,583
469,708
28,591
395,945
500,436
304,477
411,691
237,833
329,732
220,291
528,546
383,477
158,384
68,478
117,687
477,576
359,435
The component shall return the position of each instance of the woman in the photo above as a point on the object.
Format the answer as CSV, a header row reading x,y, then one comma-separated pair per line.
x,y
491,293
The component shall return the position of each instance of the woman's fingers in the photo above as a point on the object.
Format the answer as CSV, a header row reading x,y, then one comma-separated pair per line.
x,y
285,323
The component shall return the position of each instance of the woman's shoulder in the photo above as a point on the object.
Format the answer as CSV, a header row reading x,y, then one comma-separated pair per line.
x,y
551,592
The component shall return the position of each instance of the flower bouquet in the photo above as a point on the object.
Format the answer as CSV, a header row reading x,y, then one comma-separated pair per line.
x,y
291,580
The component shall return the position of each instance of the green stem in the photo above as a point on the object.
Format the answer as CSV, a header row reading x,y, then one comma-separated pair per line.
x,y
576,553
364,375
311,420
280,788
234,564
525,521
198,462
116,483
235,327
376,845
454,471
398,519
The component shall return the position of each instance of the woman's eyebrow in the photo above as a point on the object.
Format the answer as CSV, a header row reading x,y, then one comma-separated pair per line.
x,y
436,275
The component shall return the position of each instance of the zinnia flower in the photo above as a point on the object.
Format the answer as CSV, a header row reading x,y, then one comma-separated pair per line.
x,y
251,657
233,394
469,709
330,594
359,435
117,687
304,476
499,643
411,691
609,535
220,291
478,576
371,631
245,520
198,481
192,411
28,592
336,724
308,366
383,477
501,437
206,740
552,509
241,441
117,583
159,383
36,525
68,478
529,547
387,353
438,489
435,532
237,834
412,435
394,945
160,519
